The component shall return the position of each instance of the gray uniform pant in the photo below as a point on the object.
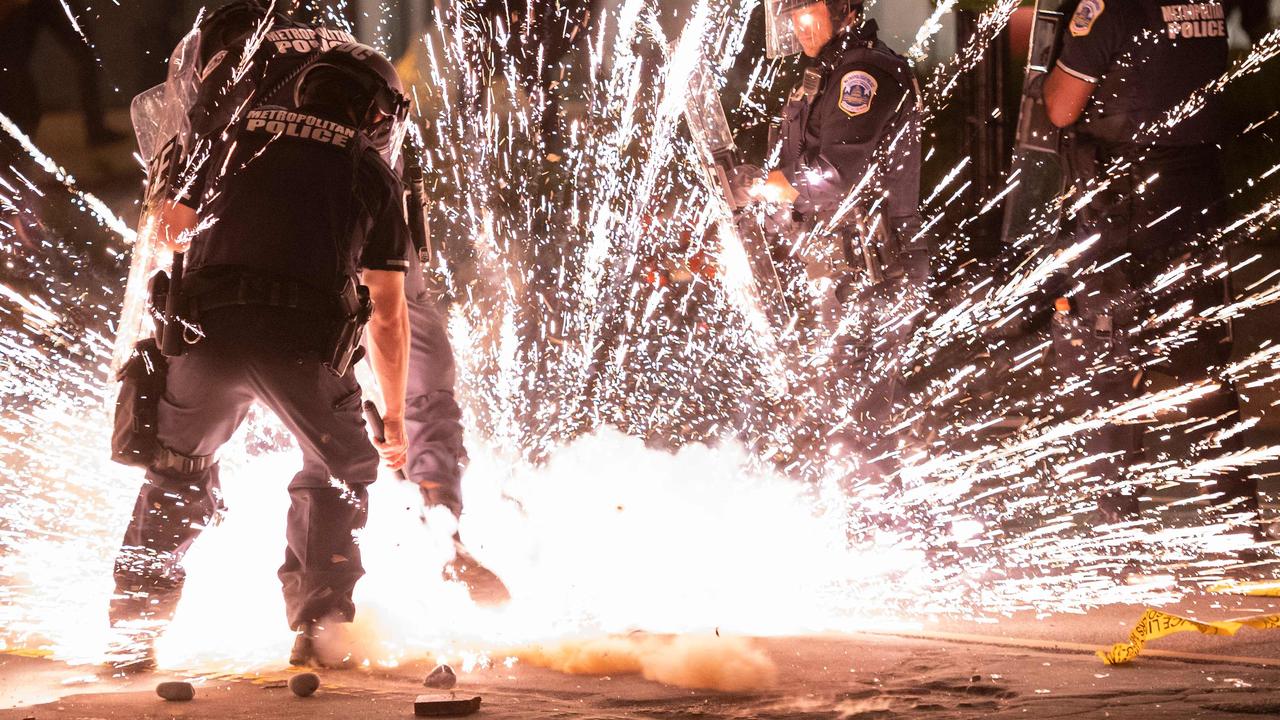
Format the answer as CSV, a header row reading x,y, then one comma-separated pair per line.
x,y
1151,230
208,393
868,362
433,421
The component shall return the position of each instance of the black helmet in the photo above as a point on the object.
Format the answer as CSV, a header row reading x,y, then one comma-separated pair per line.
x,y
373,93
229,25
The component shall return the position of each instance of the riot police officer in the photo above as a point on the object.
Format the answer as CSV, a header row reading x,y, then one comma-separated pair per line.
x,y
1123,71
437,454
297,238
433,421
849,169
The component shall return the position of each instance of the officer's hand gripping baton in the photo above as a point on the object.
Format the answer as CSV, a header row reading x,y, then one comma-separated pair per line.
x,y
379,428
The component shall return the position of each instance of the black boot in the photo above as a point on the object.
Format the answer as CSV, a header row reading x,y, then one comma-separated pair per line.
x,y
303,653
482,584
314,648
135,654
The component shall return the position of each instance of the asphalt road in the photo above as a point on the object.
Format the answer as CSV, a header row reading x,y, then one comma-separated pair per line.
x,y
1025,666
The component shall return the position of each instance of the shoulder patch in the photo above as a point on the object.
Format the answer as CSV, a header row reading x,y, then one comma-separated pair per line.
x,y
857,90
1087,13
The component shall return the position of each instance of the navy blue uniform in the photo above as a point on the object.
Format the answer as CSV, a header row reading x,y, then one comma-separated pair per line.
x,y
859,98
296,204
1146,59
858,108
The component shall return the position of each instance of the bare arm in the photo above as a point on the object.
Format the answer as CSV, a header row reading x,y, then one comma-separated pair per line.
x,y
1065,97
172,220
389,357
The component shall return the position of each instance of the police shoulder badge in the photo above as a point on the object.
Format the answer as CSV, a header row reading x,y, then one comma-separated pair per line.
x,y
1087,12
857,89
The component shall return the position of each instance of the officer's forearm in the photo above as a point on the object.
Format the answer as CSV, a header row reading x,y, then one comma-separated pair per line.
x,y
389,339
174,223
1065,97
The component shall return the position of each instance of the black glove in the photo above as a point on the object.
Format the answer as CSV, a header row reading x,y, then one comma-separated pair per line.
x,y
743,178
916,267
846,287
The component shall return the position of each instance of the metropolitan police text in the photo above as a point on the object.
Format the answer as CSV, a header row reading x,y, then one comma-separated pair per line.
x,y
291,124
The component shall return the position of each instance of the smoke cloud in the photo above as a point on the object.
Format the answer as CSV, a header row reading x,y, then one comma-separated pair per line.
x,y
699,662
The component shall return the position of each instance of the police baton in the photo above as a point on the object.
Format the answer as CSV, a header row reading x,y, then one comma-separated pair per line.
x,y
171,339
379,428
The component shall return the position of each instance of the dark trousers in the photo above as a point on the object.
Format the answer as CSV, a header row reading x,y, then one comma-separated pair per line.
x,y
1104,359
867,383
433,421
208,392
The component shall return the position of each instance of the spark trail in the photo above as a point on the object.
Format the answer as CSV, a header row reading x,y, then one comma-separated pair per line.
x,y
620,401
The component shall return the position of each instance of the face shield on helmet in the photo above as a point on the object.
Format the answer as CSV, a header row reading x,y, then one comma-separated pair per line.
x,y
383,116
781,18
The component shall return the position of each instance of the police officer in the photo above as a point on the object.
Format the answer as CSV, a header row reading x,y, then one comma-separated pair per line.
x,y
437,454
857,110
298,233
1123,70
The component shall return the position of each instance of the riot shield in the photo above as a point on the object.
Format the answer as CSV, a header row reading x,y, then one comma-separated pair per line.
x,y
718,153
1031,213
161,123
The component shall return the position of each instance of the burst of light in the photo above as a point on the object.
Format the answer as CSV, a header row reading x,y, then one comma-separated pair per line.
x,y
769,518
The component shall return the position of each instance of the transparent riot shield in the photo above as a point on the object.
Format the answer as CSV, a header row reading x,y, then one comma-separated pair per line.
x,y
718,154
161,122
1031,213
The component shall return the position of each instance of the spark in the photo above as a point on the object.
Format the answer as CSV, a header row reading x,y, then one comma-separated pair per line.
x,y
633,433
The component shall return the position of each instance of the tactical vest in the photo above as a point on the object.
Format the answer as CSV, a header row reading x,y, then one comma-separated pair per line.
x,y
901,183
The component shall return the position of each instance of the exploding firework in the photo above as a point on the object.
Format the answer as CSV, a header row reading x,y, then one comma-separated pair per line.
x,y
647,456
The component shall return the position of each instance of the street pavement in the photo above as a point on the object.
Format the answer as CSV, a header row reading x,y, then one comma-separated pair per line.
x,y
1024,666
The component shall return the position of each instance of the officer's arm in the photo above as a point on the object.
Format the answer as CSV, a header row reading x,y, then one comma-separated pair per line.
x,y
1095,35
1065,97
175,225
389,338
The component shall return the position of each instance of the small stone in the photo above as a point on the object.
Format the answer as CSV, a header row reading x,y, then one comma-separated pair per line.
x,y
441,678
304,684
176,691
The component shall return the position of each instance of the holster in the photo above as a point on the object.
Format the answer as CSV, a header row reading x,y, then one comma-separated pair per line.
x,y
142,381
355,308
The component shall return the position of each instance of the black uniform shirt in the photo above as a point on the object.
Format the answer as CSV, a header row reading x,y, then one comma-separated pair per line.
x,y
300,197
830,137
1146,57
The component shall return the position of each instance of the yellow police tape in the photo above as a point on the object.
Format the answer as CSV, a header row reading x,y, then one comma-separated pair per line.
x,y
1156,624
1262,588
27,652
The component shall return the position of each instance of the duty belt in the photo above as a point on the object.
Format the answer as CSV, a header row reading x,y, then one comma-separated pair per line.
x,y
260,291
167,459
